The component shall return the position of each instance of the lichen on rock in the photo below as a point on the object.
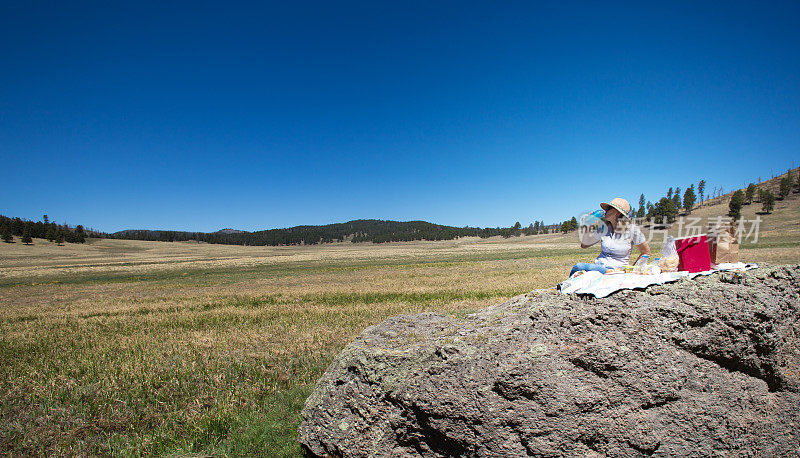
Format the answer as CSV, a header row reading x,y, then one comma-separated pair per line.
x,y
699,367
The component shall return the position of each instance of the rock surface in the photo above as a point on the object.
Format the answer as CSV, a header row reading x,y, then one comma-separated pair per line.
x,y
699,367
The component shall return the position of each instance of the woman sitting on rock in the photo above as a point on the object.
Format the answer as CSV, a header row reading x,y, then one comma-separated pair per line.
x,y
617,235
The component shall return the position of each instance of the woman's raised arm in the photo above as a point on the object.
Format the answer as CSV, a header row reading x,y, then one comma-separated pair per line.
x,y
589,236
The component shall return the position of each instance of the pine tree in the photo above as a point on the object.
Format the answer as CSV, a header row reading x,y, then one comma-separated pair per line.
x,y
735,205
750,192
6,234
59,238
701,187
640,213
80,234
676,199
26,236
670,210
767,200
784,189
689,199
664,211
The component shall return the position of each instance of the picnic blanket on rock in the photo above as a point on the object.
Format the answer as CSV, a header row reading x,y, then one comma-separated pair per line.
x,y
601,285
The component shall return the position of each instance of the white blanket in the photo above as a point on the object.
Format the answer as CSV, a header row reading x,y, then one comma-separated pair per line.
x,y
601,285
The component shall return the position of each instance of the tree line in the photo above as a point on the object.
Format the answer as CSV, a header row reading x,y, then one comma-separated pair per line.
x,y
45,229
667,208
788,184
357,231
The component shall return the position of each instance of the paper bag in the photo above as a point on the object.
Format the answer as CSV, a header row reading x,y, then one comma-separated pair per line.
x,y
723,242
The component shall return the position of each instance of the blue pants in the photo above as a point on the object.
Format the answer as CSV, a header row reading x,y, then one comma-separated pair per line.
x,y
588,266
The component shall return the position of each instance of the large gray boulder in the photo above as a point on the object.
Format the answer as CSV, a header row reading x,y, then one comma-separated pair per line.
x,y
700,367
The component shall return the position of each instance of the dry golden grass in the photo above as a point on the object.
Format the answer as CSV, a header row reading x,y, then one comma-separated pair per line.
x,y
147,347
156,348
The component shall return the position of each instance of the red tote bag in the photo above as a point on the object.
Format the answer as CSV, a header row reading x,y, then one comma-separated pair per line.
x,y
693,253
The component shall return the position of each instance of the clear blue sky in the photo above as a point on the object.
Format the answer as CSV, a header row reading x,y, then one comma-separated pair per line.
x,y
198,116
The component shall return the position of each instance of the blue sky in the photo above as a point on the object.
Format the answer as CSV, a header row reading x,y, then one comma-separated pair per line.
x,y
198,116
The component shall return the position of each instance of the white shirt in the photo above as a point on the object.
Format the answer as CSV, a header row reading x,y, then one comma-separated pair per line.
x,y
616,247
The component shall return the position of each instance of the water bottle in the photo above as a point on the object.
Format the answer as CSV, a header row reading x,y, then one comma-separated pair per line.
x,y
641,265
653,268
593,218
589,227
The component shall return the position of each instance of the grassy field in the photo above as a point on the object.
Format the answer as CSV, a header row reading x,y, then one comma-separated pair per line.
x,y
131,348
